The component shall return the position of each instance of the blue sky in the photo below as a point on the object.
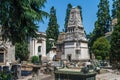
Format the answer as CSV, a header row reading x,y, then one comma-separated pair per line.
x,y
89,10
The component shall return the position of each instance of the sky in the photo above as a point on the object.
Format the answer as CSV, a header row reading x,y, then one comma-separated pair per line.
x,y
89,10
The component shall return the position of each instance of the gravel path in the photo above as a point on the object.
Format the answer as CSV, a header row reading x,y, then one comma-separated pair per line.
x,y
108,76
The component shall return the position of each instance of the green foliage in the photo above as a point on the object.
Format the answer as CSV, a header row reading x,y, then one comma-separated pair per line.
x,y
19,18
101,47
53,29
5,76
115,37
103,15
35,59
90,38
116,7
21,51
115,44
98,57
48,45
69,7
102,25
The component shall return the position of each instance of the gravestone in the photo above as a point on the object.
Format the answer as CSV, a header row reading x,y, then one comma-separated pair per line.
x,y
36,72
0,68
6,69
16,71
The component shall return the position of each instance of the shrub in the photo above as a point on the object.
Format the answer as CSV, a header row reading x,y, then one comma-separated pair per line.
x,y
99,58
5,76
35,59
21,51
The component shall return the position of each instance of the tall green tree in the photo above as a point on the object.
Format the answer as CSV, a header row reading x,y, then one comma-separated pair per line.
x,y
103,15
115,45
69,7
21,51
19,18
52,31
101,48
116,7
102,25
115,37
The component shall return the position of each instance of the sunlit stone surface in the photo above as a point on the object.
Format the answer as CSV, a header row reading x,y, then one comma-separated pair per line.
x,y
73,44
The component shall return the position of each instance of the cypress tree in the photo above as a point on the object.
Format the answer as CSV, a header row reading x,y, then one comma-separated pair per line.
x,y
69,6
116,7
115,37
102,25
53,29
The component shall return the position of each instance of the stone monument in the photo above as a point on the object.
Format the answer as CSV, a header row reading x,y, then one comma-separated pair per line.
x,y
75,42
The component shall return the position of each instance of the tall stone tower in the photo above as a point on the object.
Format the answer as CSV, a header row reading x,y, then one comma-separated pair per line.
x,y
75,42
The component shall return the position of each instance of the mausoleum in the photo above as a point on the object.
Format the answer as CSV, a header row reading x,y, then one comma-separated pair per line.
x,y
73,44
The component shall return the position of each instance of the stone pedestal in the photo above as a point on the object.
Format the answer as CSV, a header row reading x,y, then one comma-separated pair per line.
x,y
36,72
66,75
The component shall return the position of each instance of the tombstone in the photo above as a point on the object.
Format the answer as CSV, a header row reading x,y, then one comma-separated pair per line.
x,y
40,61
0,68
36,72
61,63
6,69
16,71
6,74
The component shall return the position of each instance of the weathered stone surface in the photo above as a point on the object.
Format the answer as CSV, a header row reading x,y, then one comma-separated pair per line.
x,y
37,46
7,51
74,46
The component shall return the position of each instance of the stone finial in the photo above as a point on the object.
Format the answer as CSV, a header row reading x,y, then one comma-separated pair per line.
x,y
75,18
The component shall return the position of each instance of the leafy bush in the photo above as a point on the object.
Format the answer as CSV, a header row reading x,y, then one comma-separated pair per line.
x,y
21,51
99,58
35,59
5,76
101,47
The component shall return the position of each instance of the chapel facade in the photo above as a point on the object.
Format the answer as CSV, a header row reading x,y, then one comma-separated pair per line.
x,y
37,46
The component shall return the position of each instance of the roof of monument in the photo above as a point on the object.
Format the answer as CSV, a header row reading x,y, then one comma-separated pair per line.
x,y
75,18
61,37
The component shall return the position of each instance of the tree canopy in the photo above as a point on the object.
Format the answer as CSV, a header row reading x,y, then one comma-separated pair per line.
x,y
115,37
69,7
102,25
21,51
101,47
52,31
19,18
115,44
116,7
